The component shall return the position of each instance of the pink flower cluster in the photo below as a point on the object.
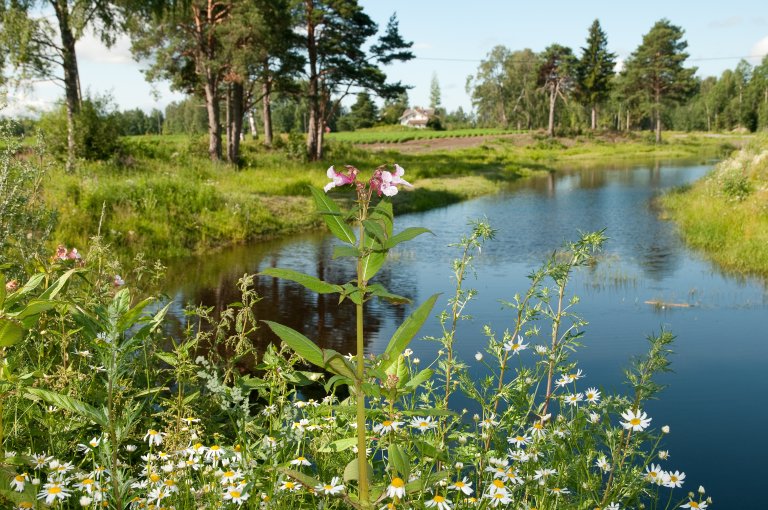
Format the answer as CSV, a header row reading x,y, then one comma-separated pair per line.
x,y
383,182
63,254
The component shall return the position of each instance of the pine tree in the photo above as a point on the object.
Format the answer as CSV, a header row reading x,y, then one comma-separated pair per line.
x,y
595,70
434,93
556,76
655,70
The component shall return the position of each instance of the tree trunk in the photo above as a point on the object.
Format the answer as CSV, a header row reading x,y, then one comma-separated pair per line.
x,y
266,103
628,121
657,112
552,100
214,128
594,117
235,94
72,95
313,90
252,122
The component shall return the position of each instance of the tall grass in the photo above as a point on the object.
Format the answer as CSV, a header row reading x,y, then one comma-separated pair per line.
x,y
726,214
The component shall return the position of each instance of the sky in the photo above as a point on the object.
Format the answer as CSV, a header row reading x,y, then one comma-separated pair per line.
x,y
450,39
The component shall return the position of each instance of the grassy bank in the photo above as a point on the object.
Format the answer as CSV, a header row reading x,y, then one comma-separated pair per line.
x,y
163,197
726,214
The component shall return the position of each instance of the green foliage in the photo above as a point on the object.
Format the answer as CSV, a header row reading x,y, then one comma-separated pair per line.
x,y
594,71
97,129
25,220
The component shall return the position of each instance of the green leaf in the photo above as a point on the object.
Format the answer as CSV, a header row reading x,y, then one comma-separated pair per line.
x,y
351,471
167,357
133,315
431,479
376,255
407,330
54,289
371,264
381,292
86,411
399,461
339,445
406,235
382,213
345,251
333,217
419,378
337,363
35,307
28,287
302,345
3,292
305,480
310,282
375,230
352,292
11,332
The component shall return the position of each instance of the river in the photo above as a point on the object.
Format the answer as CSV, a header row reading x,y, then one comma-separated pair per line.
x,y
712,402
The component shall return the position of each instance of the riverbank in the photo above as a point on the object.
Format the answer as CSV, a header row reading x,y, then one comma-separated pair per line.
x,y
725,215
161,196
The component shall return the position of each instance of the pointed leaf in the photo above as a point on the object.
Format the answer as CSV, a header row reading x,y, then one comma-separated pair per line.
x,y
54,289
86,411
3,290
382,214
337,363
399,461
381,292
371,264
375,230
339,445
305,480
419,378
302,345
406,235
407,330
28,287
352,472
431,479
333,217
345,251
35,307
11,332
310,282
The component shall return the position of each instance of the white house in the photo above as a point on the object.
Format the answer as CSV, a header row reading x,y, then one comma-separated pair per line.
x,y
416,117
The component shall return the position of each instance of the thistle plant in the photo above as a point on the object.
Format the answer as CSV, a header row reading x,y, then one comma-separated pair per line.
x,y
367,236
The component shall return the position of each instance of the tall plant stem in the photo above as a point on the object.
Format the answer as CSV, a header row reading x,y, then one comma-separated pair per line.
x,y
552,357
362,458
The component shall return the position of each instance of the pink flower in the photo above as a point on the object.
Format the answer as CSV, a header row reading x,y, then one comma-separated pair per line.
x,y
11,286
385,182
340,179
61,252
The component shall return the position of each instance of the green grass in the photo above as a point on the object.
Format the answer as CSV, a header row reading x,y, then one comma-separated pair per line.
x,y
400,134
163,197
725,215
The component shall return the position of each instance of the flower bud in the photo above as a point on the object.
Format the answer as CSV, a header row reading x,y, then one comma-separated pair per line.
x,y
665,429
479,356
701,489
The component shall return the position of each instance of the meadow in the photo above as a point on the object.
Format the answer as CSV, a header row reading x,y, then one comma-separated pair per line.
x,y
161,196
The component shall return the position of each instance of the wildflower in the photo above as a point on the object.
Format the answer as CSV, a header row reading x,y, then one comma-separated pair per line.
x,y
613,506
300,461
340,179
230,476
665,429
385,182
118,281
663,454
387,426
214,453
701,490
300,425
603,464
53,491
18,481
674,479
489,422
396,488
594,418
236,494
573,399
269,410
289,486
496,486
86,485
696,505
538,430
154,437
330,488
407,353
559,490
542,474
592,395
423,424
479,356
519,440
515,346
510,475
499,498
39,460
11,286
157,494
541,350
416,361
463,485
438,501
93,443
85,501
636,420
654,474
26,505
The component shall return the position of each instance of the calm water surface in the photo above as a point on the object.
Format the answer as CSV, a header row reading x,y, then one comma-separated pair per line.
x,y
713,401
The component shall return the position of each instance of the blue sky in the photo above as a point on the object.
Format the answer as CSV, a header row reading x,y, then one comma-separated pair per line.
x,y
450,39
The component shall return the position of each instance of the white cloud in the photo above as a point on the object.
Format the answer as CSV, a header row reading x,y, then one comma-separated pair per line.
x,y
760,48
90,48
730,22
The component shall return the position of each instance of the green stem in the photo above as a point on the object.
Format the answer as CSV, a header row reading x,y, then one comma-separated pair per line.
x,y
362,458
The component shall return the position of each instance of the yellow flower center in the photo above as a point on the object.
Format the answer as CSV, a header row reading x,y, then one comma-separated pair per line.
x,y
387,423
423,424
88,481
499,484
19,478
215,448
238,448
635,421
229,474
170,483
520,438
54,490
694,504
538,426
499,495
154,477
301,459
25,504
438,499
234,494
152,432
398,482
290,485
328,487
197,446
459,484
